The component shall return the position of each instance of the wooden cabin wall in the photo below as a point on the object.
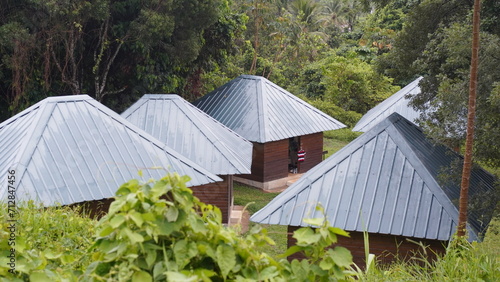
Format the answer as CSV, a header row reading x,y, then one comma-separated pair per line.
x,y
383,246
269,161
313,145
218,194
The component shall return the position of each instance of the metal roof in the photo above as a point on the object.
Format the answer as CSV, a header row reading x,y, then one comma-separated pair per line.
x,y
72,149
397,103
386,181
261,111
192,133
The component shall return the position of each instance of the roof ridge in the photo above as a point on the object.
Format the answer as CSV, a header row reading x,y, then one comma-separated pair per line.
x,y
35,129
220,146
144,135
367,116
438,193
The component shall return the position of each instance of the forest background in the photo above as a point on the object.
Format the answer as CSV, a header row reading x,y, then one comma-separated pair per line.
x,y
342,56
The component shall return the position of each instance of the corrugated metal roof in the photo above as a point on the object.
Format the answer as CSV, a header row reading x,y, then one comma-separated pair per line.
x,y
192,133
73,149
261,111
386,181
397,103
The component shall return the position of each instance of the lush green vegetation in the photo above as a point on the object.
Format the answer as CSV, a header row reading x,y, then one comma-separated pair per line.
x,y
157,231
146,236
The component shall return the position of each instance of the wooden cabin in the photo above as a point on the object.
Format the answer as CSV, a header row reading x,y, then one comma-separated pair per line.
x,y
73,150
388,182
198,137
279,125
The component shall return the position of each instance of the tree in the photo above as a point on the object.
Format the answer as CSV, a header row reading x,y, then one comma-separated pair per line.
x,y
108,47
464,191
348,82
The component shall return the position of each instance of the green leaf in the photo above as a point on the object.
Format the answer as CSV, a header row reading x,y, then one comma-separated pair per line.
x,y
179,277
184,251
141,276
314,221
136,217
326,264
338,231
106,231
268,273
341,256
172,214
51,254
116,221
134,237
40,277
226,258
306,236
67,258
290,251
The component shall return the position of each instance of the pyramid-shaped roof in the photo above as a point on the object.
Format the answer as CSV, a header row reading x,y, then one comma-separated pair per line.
x,y
397,103
72,149
261,111
390,181
192,133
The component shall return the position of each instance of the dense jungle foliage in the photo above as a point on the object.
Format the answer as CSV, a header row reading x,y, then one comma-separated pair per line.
x,y
343,56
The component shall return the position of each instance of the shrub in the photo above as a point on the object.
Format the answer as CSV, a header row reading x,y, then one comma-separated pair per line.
x,y
50,242
160,231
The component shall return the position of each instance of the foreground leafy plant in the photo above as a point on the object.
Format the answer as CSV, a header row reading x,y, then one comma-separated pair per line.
x,y
50,243
161,231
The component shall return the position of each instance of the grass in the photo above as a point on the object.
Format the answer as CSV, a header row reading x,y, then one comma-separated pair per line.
x,y
256,200
336,139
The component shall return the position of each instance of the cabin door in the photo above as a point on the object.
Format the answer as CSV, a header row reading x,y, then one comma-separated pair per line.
x,y
293,147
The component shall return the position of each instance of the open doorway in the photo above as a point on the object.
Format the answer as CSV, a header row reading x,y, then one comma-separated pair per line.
x,y
293,147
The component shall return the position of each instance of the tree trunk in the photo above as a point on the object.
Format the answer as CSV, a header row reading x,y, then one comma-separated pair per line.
x,y
464,191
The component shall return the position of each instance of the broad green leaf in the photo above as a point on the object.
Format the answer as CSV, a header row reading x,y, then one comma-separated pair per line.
x,y
306,235
268,273
179,277
341,256
314,221
106,231
326,264
40,277
136,217
150,255
290,251
67,258
184,251
51,254
339,231
172,214
141,276
134,237
158,270
226,258
115,206
117,220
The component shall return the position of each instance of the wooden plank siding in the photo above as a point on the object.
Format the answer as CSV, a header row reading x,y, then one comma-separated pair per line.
x,y
384,246
218,194
313,145
270,160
